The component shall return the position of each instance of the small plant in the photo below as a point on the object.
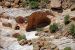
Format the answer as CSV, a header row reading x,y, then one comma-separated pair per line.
x,y
53,28
67,48
66,19
19,37
33,4
72,30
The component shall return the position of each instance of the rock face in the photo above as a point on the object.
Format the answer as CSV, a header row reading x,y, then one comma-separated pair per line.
x,y
37,19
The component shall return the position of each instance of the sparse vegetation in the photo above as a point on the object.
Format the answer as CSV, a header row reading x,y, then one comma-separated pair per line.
x,y
72,30
19,37
33,4
53,27
67,48
66,19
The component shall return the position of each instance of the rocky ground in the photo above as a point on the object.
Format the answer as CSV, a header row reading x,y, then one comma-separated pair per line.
x,y
16,22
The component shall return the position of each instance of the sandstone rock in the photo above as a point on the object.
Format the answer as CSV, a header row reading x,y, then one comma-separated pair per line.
x,y
1,9
23,42
73,18
7,24
56,49
16,1
7,4
29,42
66,4
73,7
16,6
13,4
16,35
37,19
55,3
20,20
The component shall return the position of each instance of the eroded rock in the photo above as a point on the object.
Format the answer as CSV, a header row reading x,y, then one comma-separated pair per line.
x,y
37,19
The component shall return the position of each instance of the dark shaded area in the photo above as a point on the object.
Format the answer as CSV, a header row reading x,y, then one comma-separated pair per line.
x,y
9,6
59,9
73,9
1,0
17,28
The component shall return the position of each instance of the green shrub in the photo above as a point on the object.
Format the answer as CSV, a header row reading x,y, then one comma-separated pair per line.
x,y
66,19
33,4
53,28
21,37
72,30
67,48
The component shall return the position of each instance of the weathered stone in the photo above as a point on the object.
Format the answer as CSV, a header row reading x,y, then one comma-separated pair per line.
x,y
37,19
20,20
7,24
55,3
7,4
73,18
66,4
16,1
56,49
16,35
73,7
23,42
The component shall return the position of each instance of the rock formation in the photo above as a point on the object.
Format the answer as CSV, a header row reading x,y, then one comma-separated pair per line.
x,y
37,19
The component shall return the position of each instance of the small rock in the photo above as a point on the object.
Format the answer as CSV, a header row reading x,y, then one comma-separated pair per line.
x,y
7,4
7,25
56,49
16,1
55,3
53,46
23,42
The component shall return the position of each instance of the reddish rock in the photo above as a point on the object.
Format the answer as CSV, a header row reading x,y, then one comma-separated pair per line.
x,y
38,19
16,35
20,20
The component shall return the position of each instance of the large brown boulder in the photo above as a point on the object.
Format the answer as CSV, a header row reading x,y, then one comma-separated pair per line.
x,y
38,19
